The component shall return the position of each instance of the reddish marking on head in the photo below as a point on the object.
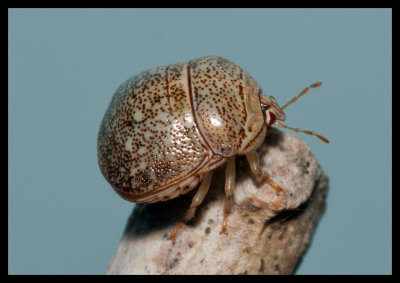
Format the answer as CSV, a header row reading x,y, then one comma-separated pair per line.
x,y
272,118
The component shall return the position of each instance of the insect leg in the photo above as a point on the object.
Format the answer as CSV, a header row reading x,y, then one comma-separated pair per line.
x,y
196,201
229,186
254,163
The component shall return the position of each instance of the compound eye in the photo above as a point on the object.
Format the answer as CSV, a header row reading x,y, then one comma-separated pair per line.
x,y
271,118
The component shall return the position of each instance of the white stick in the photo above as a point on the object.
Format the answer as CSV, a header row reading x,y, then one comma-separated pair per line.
x,y
267,232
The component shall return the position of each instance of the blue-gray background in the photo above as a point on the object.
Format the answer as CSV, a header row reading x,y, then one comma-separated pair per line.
x,y
64,66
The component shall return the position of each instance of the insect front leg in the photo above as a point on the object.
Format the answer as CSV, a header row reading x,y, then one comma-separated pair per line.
x,y
196,201
254,163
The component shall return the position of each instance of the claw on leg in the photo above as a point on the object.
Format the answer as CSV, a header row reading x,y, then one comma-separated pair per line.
x,y
224,224
272,183
175,231
254,164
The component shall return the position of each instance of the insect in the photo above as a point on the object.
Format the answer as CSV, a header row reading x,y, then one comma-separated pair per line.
x,y
168,128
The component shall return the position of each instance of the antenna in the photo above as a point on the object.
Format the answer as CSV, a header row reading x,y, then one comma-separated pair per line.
x,y
280,125
293,100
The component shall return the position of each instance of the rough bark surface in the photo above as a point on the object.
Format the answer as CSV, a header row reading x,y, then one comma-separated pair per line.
x,y
267,232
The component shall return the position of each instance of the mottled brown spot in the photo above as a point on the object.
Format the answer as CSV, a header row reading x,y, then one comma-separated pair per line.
x,y
261,269
251,207
282,233
174,263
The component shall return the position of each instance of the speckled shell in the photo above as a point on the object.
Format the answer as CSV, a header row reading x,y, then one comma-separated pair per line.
x,y
166,127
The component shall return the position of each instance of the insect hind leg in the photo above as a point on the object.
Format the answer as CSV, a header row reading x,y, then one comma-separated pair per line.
x,y
196,201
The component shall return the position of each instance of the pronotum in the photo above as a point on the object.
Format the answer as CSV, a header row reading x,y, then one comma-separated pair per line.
x,y
168,128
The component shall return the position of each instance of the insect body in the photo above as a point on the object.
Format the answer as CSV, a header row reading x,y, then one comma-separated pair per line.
x,y
168,128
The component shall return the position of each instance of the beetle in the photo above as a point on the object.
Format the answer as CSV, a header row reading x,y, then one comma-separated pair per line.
x,y
167,129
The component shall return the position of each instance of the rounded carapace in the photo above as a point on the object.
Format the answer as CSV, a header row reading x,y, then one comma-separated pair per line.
x,y
167,127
